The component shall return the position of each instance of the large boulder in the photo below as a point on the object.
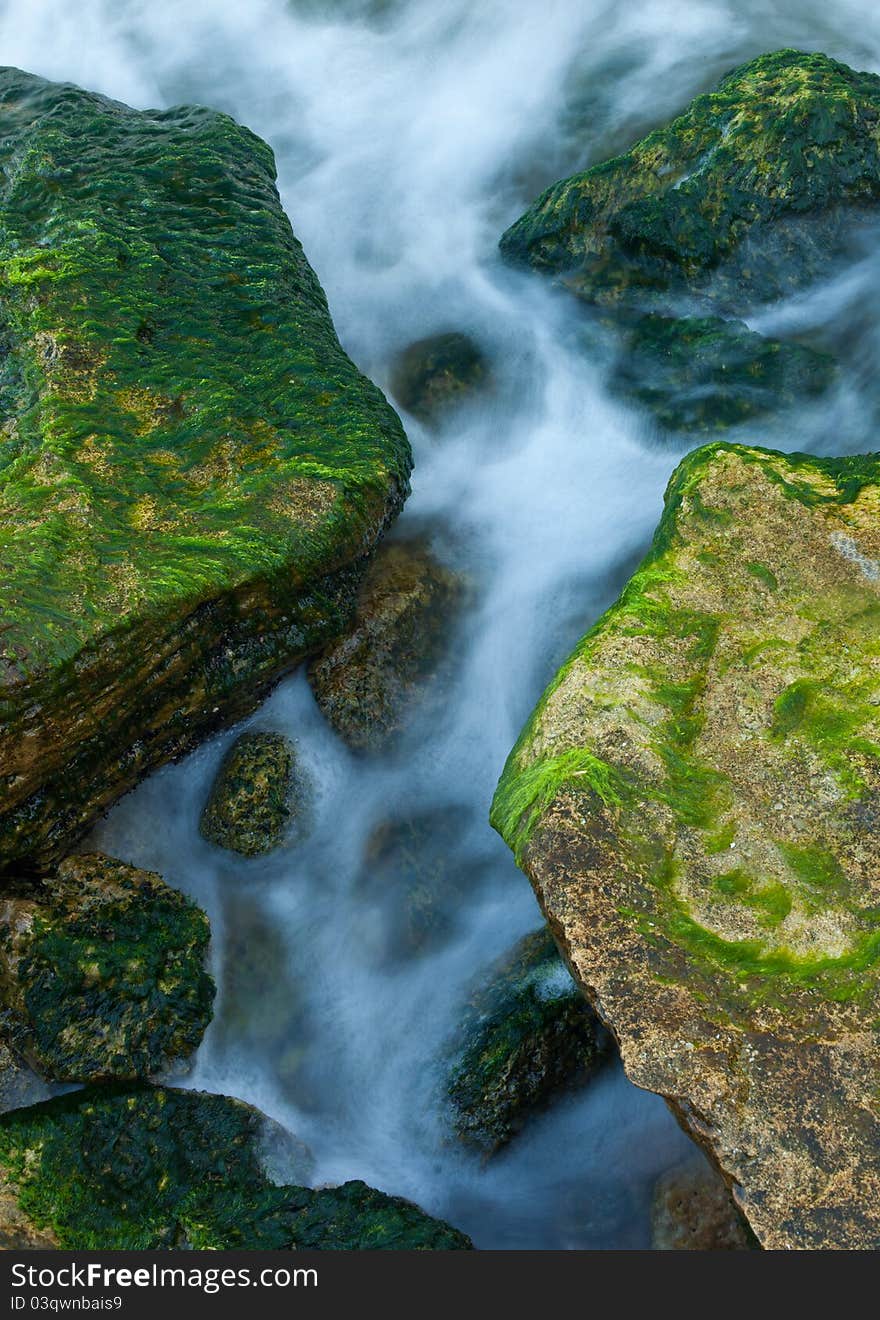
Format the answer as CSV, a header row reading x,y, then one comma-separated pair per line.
x,y
102,972
148,1168
526,1035
692,1210
742,198
369,681
696,800
193,471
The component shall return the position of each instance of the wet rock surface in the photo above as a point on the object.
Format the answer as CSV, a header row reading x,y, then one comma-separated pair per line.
x,y
369,682
257,796
434,375
102,972
693,1210
526,1035
693,800
191,475
145,1168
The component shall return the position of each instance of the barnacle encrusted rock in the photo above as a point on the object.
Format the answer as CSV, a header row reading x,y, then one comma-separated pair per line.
x,y
526,1035
255,797
102,972
191,469
742,197
696,800
692,1210
147,1168
368,682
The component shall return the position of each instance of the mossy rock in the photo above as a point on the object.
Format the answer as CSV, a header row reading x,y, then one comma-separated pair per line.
x,y
692,1210
413,877
703,374
696,800
147,1168
192,470
102,972
743,197
256,797
434,375
527,1035
369,681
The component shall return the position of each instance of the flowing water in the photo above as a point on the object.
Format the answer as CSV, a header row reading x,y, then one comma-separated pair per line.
x,y
408,135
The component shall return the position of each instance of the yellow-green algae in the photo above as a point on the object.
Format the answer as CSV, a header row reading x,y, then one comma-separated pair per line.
x,y
189,463
724,725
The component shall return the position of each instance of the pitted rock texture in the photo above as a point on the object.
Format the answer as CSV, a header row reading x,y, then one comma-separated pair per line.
x,y
191,469
696,800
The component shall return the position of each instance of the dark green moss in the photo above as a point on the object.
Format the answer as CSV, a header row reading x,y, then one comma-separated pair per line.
x,y
704,374
149,1168
254,797
104,976
193,470
526,1035
756,175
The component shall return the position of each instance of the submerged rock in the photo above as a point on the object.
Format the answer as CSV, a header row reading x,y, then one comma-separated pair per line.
x,y
704,374
102,972
526,1035
696,800
433,375
368,681
255,797
415,879
692,1210
148,1168
743,197
192,472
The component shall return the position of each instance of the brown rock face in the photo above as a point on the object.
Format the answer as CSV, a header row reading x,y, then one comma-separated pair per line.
x,y
368,681
692,1211
696,801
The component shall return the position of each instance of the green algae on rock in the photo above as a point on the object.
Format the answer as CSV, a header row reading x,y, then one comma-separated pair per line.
x,y
192,471
703,374
526,1035
369,680
102,972
145,1168
743,197
696,800
255,797
433,375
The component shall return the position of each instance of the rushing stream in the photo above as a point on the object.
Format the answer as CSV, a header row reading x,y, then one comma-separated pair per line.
x,y
408,134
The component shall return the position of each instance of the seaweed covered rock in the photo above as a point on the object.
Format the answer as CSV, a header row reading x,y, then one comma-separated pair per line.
x,y
433,375
414,879
692,1210
368,681
147,1168
102,972
256,796
192,470
696,800
703,374
742,198
527,1034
